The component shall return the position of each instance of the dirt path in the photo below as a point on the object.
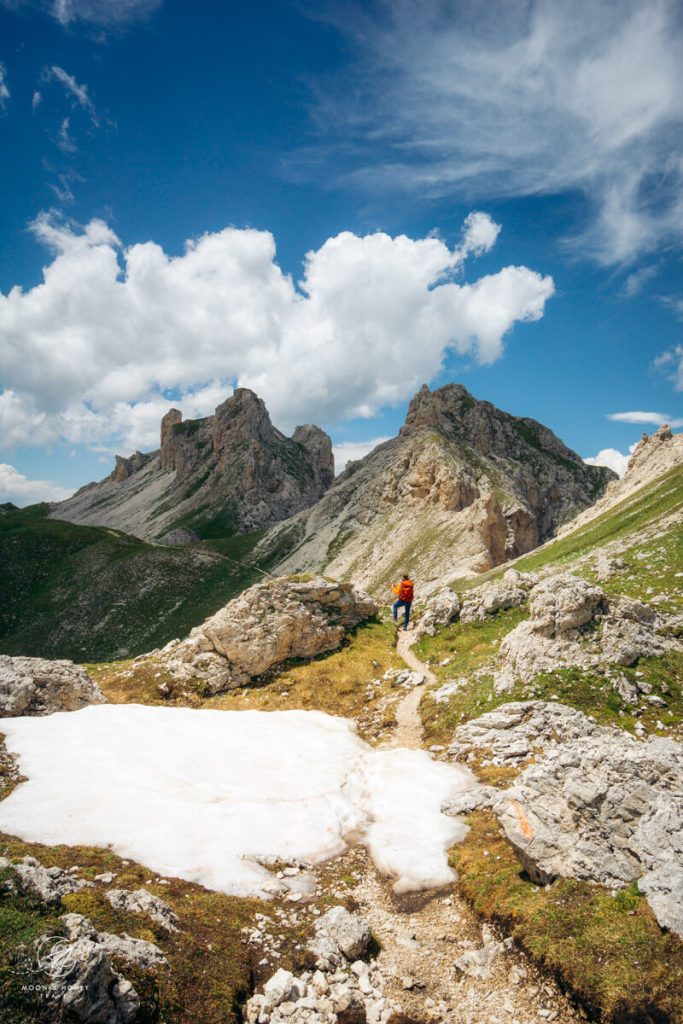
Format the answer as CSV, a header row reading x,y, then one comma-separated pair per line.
x,y
408,731
422,935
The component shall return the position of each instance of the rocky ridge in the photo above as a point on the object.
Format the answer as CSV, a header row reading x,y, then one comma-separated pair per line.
x,y
463,487
230,472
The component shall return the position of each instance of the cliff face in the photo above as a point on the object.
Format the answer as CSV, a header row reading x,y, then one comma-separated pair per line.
x,y
230,472
463,487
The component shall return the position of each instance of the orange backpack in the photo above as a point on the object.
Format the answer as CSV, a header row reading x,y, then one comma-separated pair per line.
x,y
405,592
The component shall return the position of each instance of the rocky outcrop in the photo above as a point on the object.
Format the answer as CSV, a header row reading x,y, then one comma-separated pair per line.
x,y
48,884
573,623
598,804
440,609
463,487
139,901
510,592
36,686
83,981
230,472
268,624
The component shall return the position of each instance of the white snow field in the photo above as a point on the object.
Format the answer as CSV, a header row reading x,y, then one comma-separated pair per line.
x,y
205,795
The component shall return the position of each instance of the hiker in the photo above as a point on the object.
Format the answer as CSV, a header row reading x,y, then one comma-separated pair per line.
x,y
404,594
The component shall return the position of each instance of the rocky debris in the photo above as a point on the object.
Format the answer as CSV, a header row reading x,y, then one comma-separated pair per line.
x,y
234,467
403,677
268,624
83,980
573,623
323,997
440,609
340,935
36,686
478,962
139,901
493,597
607,566
514,731
49,884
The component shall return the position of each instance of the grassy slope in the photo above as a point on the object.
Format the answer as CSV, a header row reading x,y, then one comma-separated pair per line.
x,y
607,949
92,594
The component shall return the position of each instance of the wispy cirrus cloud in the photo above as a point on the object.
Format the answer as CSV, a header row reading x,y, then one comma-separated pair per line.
x,y
671,364
101,13
4,88
519,99
79,93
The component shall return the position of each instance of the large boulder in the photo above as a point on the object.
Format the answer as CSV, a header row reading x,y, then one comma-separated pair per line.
x,y
340,935
139,901
595,804
604,808
268,624
36,686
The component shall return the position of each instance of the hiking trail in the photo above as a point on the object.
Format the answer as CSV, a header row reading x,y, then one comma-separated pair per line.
x,y
408,731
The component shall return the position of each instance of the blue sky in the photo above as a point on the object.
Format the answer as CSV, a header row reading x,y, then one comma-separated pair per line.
x,y
493,196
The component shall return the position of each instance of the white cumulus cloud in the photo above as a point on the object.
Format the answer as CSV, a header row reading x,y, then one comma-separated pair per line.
x,y
95,350
610,457
17,488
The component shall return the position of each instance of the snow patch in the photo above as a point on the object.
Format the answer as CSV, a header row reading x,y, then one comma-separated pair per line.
x,y
205,795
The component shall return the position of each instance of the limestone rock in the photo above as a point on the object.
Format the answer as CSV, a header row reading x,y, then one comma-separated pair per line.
x,y
139,901
491,598
340,932
83,980
36,686
515,730
49,884
562,603
440,609
604,808
269,623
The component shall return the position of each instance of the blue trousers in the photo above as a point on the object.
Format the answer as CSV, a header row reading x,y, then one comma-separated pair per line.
x,y
406,605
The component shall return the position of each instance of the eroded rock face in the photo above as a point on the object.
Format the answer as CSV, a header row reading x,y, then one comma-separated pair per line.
x,y
573,623
266,625
36,686
463,488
